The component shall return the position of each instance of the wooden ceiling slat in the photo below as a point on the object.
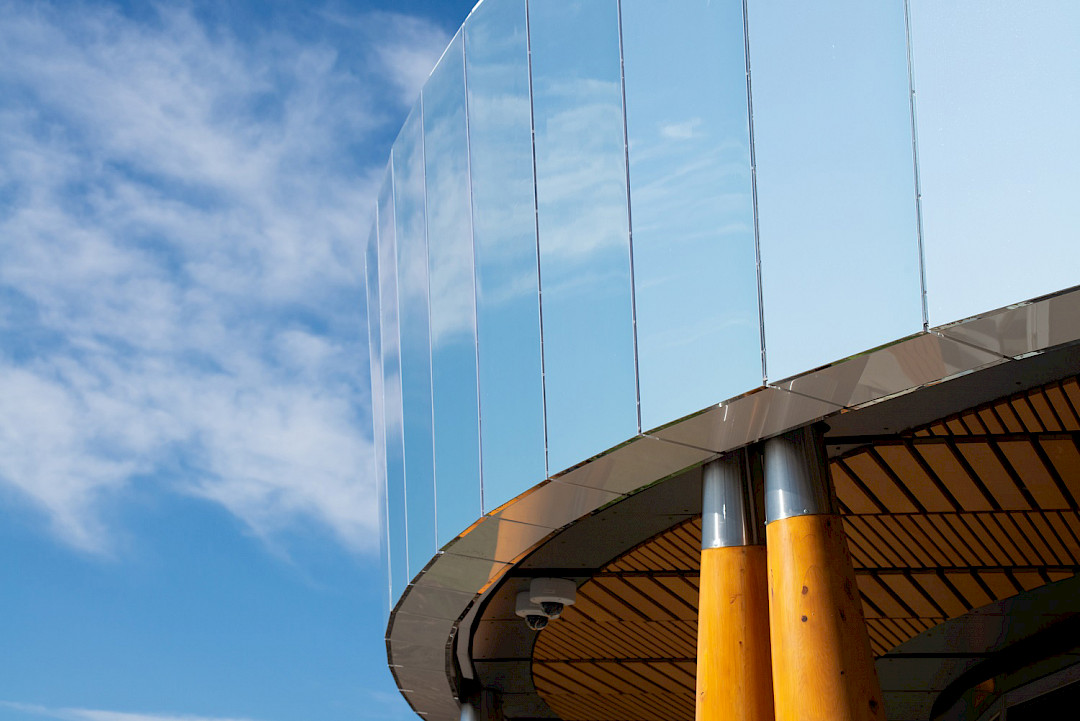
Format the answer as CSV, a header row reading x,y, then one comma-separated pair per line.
x,y
1060,575
949,534
1024,458
621,592
907,540
878,642
945,466
1066,523
995,525
904,589
938,555
652,675
616,639
970,541
875,544
593,604
953,554
673,602
869,609
1029,579
882,596
864,467
1071,389
852,494
1053,539
904,463
1064,410
1026,413
878,526
951,605
956,427
986,532
1048,415
604,680
990,421
689,555
998,583
681,588
901,633
995,477
1026,539
974,422
860,557
561,675
976,593
1063,458
1017,586
683,672
1007,417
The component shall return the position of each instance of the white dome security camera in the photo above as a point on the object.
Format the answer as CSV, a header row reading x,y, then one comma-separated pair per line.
x,y
552,594
532,612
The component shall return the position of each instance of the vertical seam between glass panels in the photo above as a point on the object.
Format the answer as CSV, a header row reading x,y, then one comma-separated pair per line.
x,y
397,290
629,220
754,192
472,240
536,229
431,345
382,365
915,164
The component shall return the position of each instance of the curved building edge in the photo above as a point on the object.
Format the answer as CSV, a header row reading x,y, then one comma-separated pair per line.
x,y
429,633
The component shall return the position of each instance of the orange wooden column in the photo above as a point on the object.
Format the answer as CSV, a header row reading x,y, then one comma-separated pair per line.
x,y
823,669
734,676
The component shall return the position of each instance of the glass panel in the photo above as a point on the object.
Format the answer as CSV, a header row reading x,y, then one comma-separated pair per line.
x,y
998,87
695,274
391,366
584,241
504,229
371,276
836,190
453,306
412,275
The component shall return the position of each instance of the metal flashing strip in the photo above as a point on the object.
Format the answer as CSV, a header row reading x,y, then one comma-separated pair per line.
x,y
472,565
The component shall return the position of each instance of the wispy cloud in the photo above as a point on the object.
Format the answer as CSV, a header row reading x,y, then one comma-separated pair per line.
x,y
180,226
80,714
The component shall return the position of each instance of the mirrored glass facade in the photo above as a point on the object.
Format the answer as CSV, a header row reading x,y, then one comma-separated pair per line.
x,y
507,270
453,298
695,278
998,90
605,216
412,277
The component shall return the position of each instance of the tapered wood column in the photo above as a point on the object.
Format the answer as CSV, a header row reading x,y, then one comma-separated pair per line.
x,y
734,675
823,669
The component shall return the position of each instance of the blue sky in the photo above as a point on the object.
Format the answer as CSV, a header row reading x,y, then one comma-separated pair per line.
x,y
187,510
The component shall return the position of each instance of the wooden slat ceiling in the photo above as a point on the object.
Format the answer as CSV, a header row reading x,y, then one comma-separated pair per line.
x,y
968,510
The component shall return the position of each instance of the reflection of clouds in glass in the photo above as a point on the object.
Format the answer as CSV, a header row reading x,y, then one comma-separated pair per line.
x,y
409,209
504,216
583,229
681,131
504,231
695,274
450,253
451,268
580,166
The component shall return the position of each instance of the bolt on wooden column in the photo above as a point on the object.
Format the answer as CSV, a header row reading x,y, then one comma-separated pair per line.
x,y
822,666
734,676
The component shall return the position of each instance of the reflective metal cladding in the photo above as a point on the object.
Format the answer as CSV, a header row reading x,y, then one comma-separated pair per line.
x,y
602,218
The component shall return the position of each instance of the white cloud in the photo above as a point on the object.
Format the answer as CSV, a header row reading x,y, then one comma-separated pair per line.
x,y
80,714
181,225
